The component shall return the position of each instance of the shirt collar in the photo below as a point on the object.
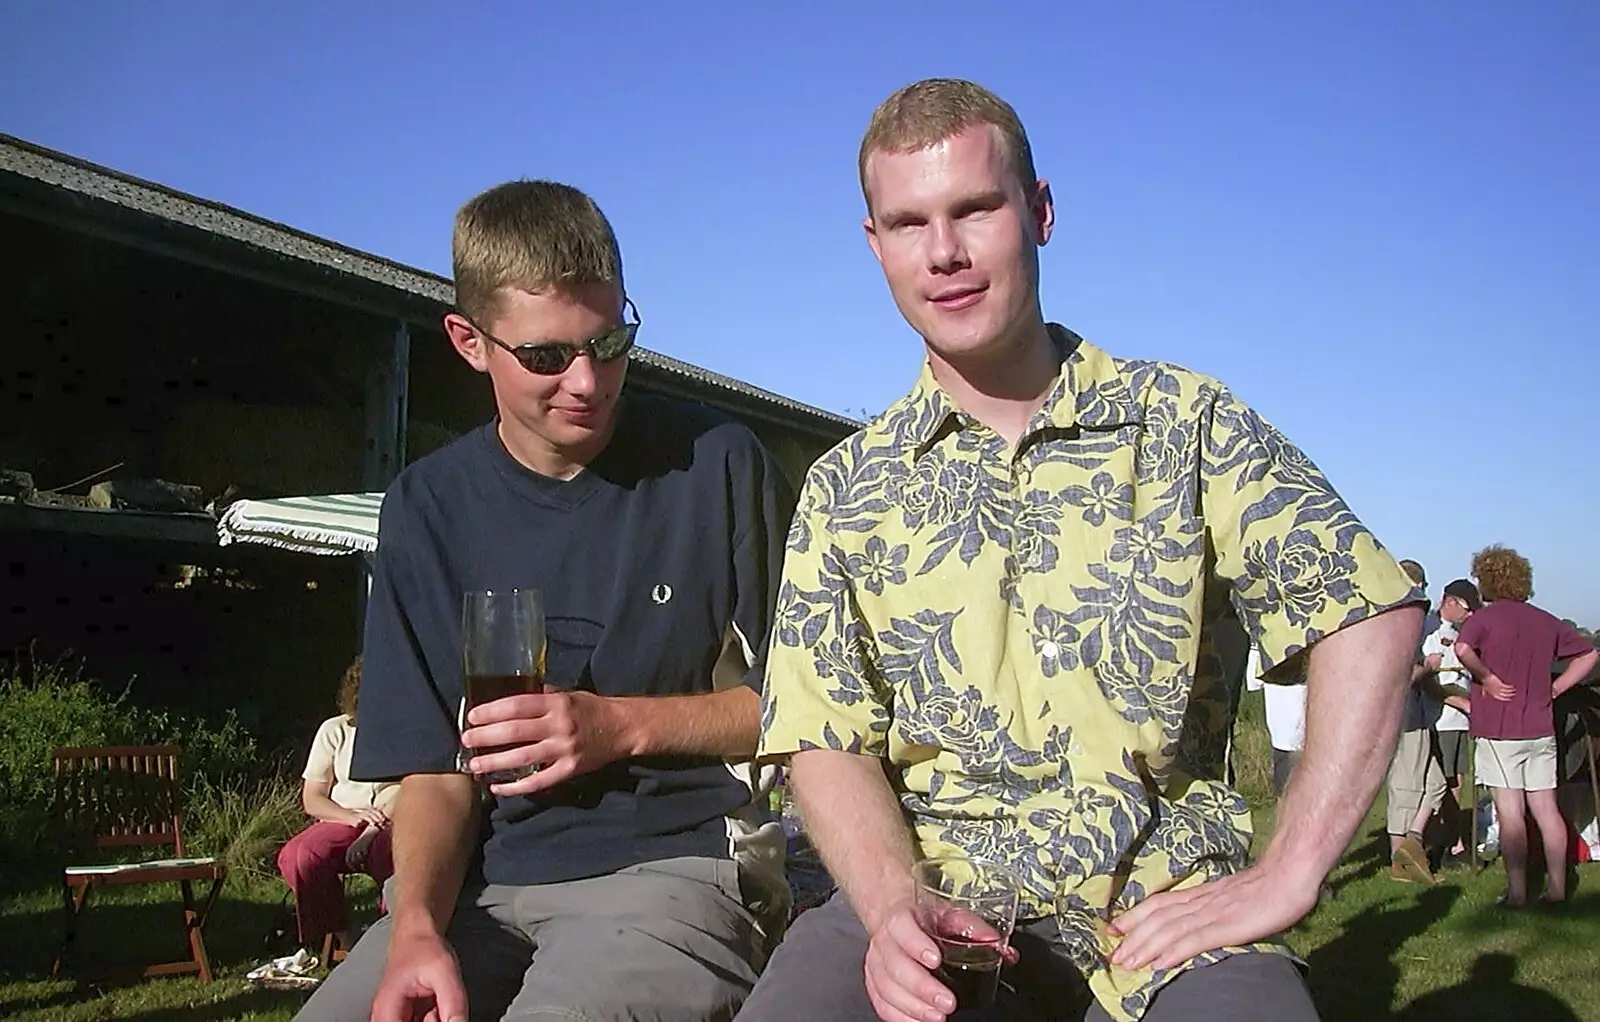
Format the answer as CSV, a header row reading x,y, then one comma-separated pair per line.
x,y
1090,392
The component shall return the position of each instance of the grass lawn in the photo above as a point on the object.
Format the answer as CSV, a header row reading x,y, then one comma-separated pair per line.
x,y
119,927
1378,950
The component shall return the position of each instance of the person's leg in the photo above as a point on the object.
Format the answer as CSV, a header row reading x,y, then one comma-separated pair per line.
x,y
1553,834
493,953
1408,777
1434,790
1452,759
380,857
1509,807
816,972
671,941
1539,778
311,862
1244,988
380,864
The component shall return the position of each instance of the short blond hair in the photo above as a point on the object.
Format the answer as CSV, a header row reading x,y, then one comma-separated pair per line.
x,y
928,112
530,235
1503,574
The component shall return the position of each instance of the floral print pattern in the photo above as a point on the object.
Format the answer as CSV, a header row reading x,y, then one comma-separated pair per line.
x,y
1026,633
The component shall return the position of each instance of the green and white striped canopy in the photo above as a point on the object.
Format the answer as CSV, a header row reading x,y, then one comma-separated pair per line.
x,y
334,523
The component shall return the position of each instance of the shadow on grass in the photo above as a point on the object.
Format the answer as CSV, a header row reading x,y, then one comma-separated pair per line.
x,y
1489,994
228,1004
1354,976
232,1006
117,934
1366,861
1543,929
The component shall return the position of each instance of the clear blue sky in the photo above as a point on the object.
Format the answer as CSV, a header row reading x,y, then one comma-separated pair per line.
x,y
1380,223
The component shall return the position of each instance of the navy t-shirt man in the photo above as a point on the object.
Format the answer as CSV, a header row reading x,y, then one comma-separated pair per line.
x,y
651,885
623,878
656,566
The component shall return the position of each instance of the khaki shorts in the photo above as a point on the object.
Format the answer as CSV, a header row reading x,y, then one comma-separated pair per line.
x,y
1415,780
1526,765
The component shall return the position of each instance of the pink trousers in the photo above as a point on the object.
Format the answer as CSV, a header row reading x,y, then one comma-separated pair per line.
x,y
312,863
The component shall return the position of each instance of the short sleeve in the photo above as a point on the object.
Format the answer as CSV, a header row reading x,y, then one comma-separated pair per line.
x,y
411,683
1472,633
1570,644
821,690
1431,623
1302,565
324,750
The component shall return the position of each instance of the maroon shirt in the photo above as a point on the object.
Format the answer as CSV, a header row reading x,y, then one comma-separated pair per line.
x,y
1519,644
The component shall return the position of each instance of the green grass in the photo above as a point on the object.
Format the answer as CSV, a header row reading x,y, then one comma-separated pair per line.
x,y
1381,949
136,925
1378,950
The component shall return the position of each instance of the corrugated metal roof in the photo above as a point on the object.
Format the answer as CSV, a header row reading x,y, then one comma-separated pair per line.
x,y
335,264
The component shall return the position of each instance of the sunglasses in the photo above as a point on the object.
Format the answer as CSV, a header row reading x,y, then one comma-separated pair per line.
x,y
552,358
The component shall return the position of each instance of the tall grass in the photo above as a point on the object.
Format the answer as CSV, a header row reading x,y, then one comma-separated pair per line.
x,y
244,823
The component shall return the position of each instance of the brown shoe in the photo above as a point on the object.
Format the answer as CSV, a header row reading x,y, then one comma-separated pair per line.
x,y
1411,859
1396,873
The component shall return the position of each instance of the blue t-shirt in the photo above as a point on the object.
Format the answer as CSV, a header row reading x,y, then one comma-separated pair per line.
x,y
661,552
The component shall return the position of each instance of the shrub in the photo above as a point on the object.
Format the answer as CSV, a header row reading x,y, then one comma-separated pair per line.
x,y
48,704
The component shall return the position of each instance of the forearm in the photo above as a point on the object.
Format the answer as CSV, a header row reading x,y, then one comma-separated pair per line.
x,y
1355,693
434,835
1578,668
854,821
321,807
1430,686
726,724
1469,659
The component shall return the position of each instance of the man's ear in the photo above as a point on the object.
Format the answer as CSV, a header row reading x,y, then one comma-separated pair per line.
x,y
872,237
465,339
1043,207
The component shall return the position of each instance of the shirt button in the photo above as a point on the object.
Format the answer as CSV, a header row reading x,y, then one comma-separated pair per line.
x,y
1077,749
1050,650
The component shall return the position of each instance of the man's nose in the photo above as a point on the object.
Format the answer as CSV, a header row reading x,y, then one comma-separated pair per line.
x,y
947,253
579,380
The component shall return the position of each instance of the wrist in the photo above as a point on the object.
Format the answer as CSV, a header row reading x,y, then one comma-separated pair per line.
x,y
1298,870
883,902
627,726
416,926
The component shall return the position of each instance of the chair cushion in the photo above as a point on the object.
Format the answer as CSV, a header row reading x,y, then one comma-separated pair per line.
x,y
122,868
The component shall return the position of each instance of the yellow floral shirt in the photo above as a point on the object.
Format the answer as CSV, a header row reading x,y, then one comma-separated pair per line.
x,y
1030,635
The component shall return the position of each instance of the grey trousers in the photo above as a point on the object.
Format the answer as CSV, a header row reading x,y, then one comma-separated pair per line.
x,y
816,973
666,941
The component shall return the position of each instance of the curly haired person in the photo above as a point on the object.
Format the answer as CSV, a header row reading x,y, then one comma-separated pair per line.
x,y
1509,646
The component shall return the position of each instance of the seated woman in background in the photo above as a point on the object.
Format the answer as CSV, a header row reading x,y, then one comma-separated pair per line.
x,y
351,832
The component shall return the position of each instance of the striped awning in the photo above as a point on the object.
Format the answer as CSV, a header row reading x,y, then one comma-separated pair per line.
x,y
335,523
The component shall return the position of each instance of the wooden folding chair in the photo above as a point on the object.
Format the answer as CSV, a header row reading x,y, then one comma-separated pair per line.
x,y
127,797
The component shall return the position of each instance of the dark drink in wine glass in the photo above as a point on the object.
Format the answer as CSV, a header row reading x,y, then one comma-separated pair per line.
x,y
503,649
968,907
